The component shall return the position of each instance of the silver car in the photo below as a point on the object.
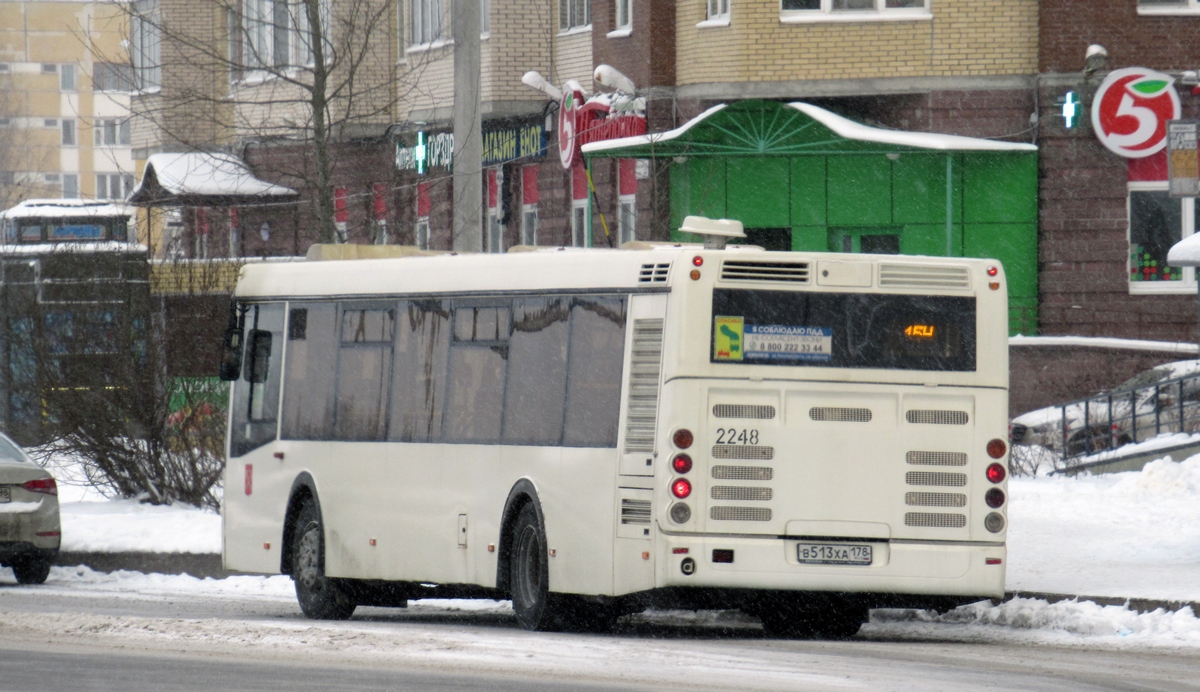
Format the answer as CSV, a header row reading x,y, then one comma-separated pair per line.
x,y
30,532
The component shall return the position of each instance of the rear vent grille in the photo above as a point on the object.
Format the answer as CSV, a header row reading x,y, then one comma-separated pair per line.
x,y
635,512
936,458
743,473
747,452
935,519
936,417
895,275
935,499
952,480
643,385
741,493
790,272
653,273
743,411
843,415
740,513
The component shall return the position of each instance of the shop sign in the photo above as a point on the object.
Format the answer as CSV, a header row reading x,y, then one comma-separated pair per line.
x,y
499,146
583,121
1131,109
1183,158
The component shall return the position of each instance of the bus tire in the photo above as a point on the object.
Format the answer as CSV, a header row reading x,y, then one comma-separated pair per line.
x,y
824,619
320,597
529,581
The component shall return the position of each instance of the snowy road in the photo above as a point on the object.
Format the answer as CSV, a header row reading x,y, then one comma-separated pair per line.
x,y
246,632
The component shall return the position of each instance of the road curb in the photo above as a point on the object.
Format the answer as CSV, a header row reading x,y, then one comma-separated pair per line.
x,y
1141,605
209,565
196,564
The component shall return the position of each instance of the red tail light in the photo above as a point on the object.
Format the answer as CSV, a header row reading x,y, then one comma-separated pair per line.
x,y
682,463
681,488
996,448
41,485
994,498
996,473
683,438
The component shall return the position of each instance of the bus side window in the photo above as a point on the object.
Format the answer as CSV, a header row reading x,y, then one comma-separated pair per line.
x,y
419,388
537,372
256,395
477,368
309,376
594,372
364,371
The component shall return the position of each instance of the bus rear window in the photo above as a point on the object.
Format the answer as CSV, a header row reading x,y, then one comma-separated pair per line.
x,y
843,330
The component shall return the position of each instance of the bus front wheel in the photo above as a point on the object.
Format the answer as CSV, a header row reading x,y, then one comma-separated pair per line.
x,y
320,597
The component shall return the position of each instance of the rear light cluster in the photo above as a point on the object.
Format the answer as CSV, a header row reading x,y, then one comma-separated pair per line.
x,y
994,497
41,485
681,488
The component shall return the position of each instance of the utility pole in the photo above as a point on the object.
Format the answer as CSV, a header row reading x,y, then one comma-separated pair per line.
x,y
468,135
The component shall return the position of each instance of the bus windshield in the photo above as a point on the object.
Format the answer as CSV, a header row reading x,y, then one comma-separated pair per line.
x,y
843,330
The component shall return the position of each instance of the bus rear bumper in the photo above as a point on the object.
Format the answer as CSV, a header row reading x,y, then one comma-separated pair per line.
x,y
897,567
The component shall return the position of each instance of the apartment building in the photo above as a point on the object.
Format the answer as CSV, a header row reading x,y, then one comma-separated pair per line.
x,y
64,119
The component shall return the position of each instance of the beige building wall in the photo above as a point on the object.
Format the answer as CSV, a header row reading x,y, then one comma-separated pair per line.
x,y
42,45
963,38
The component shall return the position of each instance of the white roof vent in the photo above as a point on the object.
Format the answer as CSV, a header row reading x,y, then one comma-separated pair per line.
x,y
716,232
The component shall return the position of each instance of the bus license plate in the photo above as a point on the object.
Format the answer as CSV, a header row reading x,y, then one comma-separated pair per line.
x,y
833,554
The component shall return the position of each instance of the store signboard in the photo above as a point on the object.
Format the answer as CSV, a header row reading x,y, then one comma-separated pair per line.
x,y
1131,109
499,146
1183,158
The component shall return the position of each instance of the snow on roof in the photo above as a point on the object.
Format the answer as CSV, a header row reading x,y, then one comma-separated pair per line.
x,y
1104,342
65,209
843,127
921,140
200,174
1185,253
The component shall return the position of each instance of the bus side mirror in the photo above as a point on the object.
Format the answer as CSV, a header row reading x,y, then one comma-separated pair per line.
x,y
231,355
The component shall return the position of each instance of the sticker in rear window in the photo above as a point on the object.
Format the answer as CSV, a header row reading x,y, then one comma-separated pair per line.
x,y
779,342
728,338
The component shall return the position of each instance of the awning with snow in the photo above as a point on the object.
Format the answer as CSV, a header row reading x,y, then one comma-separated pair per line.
x,y
202,179
766,128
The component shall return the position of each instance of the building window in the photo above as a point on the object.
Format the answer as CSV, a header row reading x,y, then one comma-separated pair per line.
x,y
529,205
626,200
624,19
581,225
485,18
70,185
1156,222
274,35
427,19
145,44
111,132
66,78
113,185
574,14
112,76
718,10
422,231
49,68
68,133
1168,6
853,10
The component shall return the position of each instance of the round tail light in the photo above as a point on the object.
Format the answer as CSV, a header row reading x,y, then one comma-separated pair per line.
x,y
994,522
682,463
996,473
683,438
996,448
680,513
681,488
994,498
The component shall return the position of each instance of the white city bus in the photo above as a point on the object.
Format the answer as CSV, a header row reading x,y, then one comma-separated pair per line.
x,y
591,432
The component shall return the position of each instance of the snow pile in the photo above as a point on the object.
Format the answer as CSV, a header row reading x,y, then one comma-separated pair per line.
x,y
114,526
1065,622
1134,534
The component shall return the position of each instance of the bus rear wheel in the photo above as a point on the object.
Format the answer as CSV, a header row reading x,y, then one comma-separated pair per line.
x,y
320,597
819,619
529,576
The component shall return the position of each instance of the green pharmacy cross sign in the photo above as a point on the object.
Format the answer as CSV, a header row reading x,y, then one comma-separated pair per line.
x,y
1071,110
